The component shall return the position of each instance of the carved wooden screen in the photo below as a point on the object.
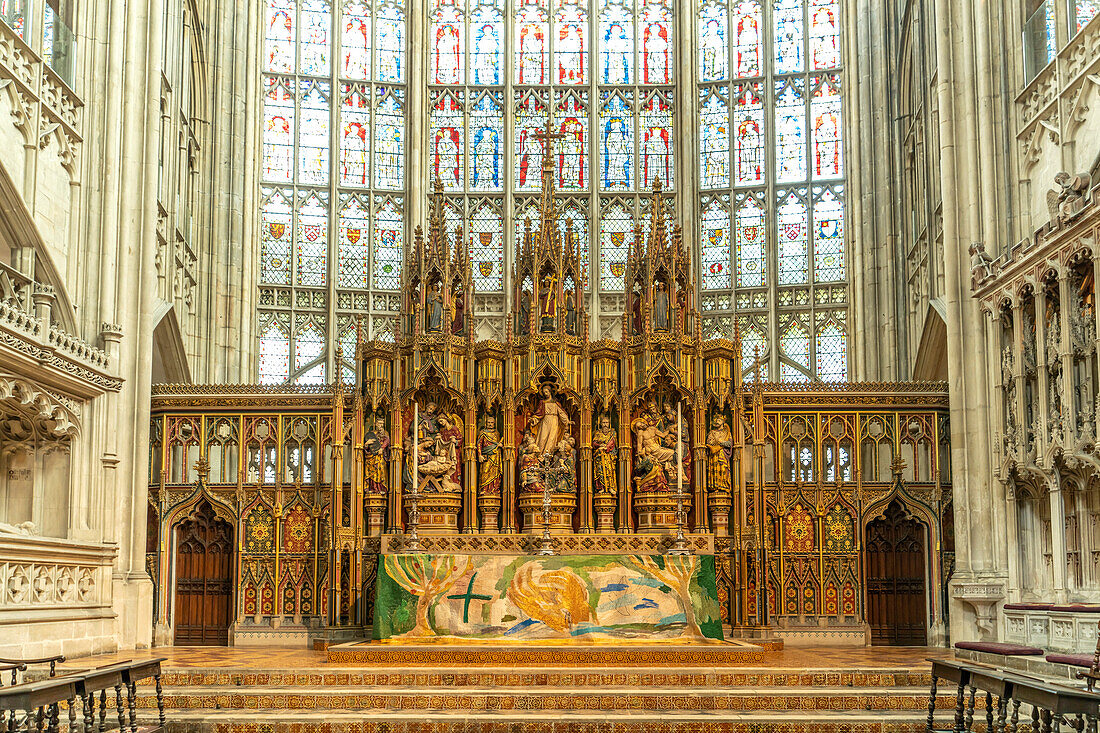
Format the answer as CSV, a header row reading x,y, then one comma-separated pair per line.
x,y
896,604
204,553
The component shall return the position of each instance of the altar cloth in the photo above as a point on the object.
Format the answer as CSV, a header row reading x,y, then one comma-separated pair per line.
x,y
589,598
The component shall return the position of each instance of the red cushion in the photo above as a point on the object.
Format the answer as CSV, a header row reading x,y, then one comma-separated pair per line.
x,y
1028,606
999,647
1077,607
1076,660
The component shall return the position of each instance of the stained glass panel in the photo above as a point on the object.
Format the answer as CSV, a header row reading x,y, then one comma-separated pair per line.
x,y
713,52
657,140
616,142
532,52
487,248
279,127
748,133
353,260
309,346
825,113
616,47
792,226
750,233
389,244
794,343
714,139
754,346
486,151
311,244
571,151
616,239
716,247
355,136
487,39
390,44
389,136
748,44
313,132
571,42
790,131
1084,11
275,237
829,264
789,32
279,37
316,18
824,34
445,134
356,41
655,54
526,219
447,45
274,354
530,119
832,353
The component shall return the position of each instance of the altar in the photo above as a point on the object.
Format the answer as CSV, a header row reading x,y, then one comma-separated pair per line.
x,y
522,598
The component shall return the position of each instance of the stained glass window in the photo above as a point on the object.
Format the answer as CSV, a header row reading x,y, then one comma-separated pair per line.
x,y
447,47
571,42
486,143
446,136
616,132
657,139
616,239
656,43
487,247
616,45
530,120
532,55
487,43
770,71
571,159
333,132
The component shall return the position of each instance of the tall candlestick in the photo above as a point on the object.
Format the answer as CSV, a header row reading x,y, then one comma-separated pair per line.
x,y
413,543
680,545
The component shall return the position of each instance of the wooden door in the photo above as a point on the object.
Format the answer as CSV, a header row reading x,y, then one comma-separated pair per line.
x,y
896,600
204,564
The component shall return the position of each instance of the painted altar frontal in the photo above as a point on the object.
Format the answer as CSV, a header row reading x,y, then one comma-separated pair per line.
x,y
578,598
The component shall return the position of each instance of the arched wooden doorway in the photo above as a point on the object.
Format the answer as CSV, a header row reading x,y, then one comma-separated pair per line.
x,y
897,605
204,567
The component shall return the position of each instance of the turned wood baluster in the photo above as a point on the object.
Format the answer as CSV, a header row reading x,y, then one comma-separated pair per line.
x,y
1045,720
54,718
160,702
121,708
89,712
960,706
40,720
932,705
102,710
131,699
970,708
989,712
1002,708
1034,719
1014,721
72,713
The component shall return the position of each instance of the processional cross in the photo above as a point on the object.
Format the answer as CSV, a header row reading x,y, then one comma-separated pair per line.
x,y
546,137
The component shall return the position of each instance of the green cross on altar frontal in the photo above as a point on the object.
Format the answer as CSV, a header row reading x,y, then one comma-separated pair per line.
x,y
468,596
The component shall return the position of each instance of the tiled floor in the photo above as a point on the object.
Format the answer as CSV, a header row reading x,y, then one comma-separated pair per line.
x,y
299,658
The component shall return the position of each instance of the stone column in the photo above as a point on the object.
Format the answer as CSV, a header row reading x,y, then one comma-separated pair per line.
x,y
1057,536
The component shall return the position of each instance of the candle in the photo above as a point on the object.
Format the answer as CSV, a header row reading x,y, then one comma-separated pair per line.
x,y
679,453
416,447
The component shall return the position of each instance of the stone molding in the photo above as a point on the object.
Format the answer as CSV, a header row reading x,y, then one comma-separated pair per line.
x,y
46,576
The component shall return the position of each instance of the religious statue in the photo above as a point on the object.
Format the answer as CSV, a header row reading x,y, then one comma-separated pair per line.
x,y
636,310
570,314
489,455
660,307
548,303
563,467
458,323
434,314
719,451
530,476
981,265
654,459
552,422
376,449
438,439
605,457
410,323
681,308
1068,199
525,312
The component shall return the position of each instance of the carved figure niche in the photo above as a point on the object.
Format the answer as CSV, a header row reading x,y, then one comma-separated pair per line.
x,y
438,438
547,434
659,464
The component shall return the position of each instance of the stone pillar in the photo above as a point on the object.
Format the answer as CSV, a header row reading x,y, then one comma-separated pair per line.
x,y
1057,536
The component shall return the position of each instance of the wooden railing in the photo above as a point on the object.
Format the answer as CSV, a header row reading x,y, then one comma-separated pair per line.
x,y
39,705
1013,702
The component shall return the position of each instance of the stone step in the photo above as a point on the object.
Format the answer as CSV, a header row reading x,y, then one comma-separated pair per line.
x,y
298,721
547,699
550,677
